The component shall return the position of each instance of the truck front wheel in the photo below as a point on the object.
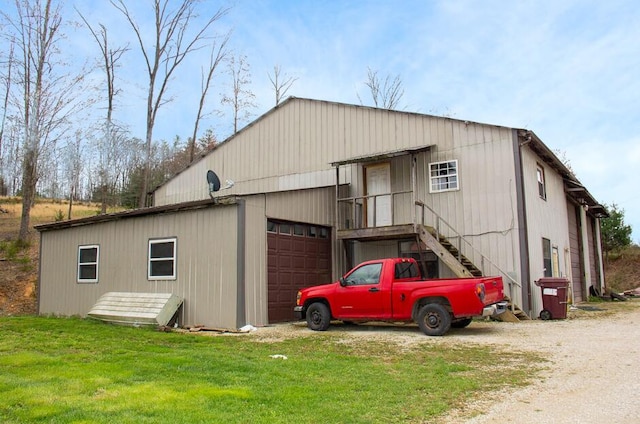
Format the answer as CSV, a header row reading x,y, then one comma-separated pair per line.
x,y
434,319
318,316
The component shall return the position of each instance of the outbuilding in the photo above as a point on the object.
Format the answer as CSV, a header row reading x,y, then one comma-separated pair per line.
x,y
316,187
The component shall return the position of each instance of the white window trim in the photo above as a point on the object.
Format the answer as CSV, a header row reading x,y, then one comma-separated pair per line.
x,y
96,263
174,258
541,180
432,178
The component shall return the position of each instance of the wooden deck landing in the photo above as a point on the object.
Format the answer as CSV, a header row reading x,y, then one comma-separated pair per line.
x,y
378,233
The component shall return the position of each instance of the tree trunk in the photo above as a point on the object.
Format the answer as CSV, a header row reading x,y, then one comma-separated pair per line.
x,y
71,194
28,194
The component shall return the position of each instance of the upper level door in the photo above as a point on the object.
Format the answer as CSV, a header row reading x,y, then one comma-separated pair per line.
x,y
378,184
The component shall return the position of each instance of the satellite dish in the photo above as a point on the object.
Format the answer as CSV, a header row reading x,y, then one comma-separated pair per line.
x,y
214,181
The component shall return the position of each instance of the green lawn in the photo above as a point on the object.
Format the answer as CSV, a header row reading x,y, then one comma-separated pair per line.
x,y
58,370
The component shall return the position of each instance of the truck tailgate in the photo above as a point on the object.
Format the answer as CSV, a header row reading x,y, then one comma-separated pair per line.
x,y
494,290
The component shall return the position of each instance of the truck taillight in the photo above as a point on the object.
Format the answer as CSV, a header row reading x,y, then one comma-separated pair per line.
x,y
298,296
480,291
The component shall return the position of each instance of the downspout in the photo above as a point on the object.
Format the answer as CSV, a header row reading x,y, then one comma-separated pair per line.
x,y
414,176
523,237
241,318
598,242
340,251
586,261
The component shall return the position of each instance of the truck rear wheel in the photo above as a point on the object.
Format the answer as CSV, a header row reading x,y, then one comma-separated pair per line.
x,y
318,316
434,319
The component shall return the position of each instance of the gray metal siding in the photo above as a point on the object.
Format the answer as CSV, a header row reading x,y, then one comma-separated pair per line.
x,y
256,260
300,139
545,219
206,264
291,148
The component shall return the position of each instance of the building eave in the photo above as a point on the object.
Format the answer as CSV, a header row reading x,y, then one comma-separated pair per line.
x,y
133,213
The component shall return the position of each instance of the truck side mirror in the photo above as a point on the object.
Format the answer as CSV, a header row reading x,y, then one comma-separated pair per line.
x,y
343,282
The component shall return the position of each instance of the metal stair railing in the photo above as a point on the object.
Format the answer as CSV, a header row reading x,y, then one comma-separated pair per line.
x,y
471,252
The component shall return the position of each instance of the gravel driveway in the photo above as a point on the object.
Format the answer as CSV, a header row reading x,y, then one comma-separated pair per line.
x,y
593,374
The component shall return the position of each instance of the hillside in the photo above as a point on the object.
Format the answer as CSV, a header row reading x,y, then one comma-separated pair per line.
x,y
19,267
622,270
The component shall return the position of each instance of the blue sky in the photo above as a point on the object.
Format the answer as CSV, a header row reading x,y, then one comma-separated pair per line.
x,y
568,70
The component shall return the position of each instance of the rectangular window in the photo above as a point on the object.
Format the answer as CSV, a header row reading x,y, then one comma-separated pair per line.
x,y
546,257
88,257
272,227
542,189
285,229
427,259
443,176
162,259
298,230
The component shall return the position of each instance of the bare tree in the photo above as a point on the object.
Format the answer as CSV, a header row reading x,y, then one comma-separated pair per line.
x,y
47,98
109,141
218,53
73,167
173,41
242,98
385,93
280,83
5,106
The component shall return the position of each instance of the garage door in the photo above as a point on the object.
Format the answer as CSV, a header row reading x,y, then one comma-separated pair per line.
x,y
576,256
299,255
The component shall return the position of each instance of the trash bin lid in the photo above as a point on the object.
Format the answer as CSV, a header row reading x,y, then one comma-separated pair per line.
x,y
552,282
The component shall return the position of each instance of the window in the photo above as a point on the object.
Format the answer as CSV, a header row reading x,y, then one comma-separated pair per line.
x,y
427,259
285,229
443,176
162,259
542,189
298,230
272,227
366,274
406,270
546,257
88,257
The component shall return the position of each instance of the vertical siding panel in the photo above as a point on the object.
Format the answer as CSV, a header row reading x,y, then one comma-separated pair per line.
x,y
210,295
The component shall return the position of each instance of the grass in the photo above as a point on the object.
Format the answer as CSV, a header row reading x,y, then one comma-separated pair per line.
x,y
57,370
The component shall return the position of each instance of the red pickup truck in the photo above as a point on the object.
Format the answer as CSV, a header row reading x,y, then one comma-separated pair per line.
x,y
393,290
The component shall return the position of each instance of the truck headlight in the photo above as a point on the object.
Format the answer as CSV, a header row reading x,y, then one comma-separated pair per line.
x,y
298,296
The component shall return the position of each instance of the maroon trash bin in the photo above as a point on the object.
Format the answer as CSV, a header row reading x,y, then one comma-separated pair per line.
x,y
554,297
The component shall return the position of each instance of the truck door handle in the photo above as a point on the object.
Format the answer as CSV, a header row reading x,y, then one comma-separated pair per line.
x,y
374,289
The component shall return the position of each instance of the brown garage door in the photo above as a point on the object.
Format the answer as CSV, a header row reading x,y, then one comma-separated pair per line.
x,y
299,255
576,254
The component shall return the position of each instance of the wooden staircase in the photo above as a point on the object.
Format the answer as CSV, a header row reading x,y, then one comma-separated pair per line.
x,y
513,313
448,253
462,266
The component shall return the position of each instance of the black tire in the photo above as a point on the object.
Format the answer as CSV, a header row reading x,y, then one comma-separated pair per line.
x,y
545,315
461,323
318,316
434,319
